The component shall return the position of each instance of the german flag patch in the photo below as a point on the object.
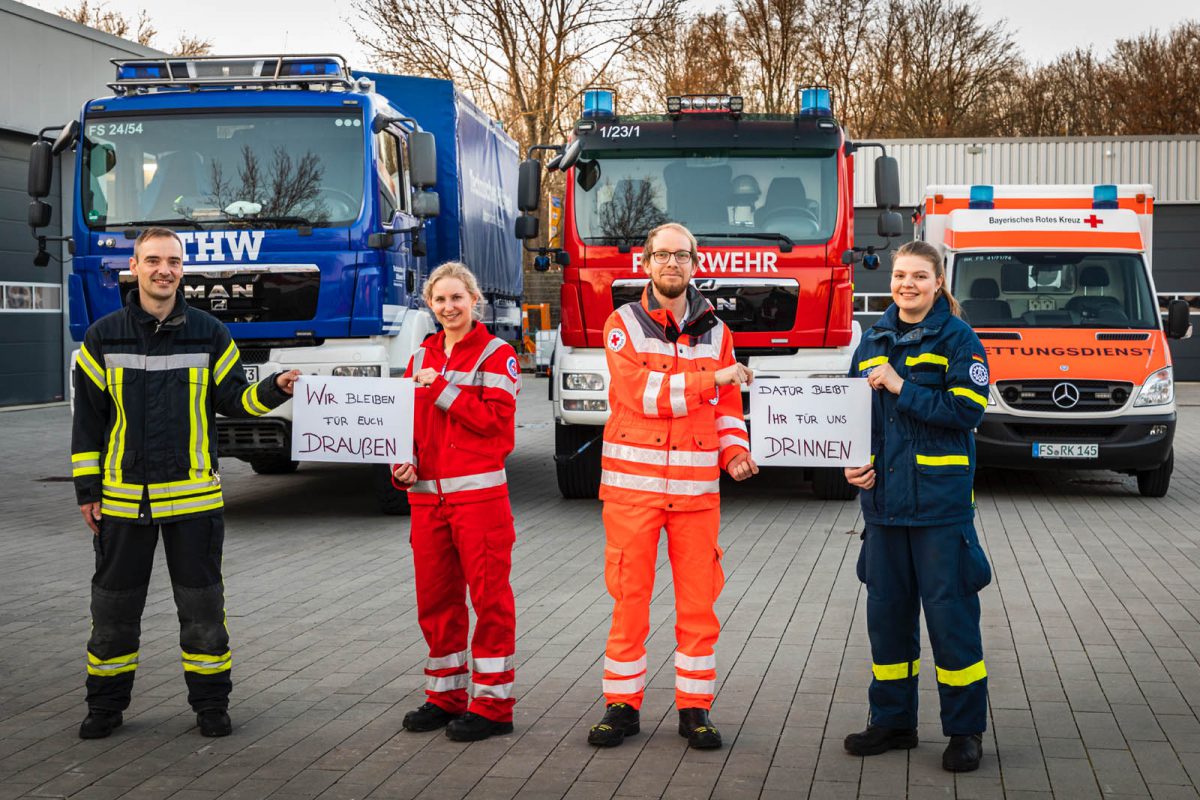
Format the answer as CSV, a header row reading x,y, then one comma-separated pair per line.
x,y
977,358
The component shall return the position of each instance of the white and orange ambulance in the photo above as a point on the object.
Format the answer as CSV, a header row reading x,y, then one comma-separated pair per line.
x,y
1056,282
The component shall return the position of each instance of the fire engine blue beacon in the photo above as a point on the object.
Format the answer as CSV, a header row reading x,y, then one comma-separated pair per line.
x,y
816,101
598,103
981,196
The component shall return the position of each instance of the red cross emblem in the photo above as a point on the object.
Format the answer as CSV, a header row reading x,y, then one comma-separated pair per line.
x,y
616,339
1093,220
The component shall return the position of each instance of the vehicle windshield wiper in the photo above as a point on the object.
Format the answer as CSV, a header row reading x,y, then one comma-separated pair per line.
x,y
250,219
148,223
787,243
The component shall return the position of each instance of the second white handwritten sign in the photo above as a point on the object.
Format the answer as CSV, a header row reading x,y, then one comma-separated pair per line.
x,y
360,420
810,422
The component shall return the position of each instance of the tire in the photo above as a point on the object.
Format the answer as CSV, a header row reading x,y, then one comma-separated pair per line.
x,y
1155,482
392,501
829,483
273,465
578,469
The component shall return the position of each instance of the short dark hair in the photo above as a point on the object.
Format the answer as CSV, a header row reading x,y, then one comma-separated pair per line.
x,y
672,226
155,233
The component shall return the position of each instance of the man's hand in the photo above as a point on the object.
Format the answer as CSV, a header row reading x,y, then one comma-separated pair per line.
x,y
287,380
91,516
742,466
735,374
862,477
884,377
405,474
426,376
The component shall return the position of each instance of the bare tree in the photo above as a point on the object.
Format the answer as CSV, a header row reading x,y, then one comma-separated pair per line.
x,y
141,30
1067,97
1152,82
842,39
773,38
691,55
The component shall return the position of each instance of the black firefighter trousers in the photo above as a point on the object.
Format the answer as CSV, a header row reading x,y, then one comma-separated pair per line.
x,y
124,557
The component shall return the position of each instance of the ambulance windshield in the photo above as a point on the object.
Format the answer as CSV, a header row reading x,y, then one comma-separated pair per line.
x,y
266,169
745,199
1054,290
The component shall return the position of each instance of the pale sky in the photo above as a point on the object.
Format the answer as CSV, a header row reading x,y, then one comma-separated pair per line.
x,y
1043,28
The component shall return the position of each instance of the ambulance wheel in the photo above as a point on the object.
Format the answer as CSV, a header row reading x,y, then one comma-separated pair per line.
x,y
1155,482
391,500
829,483
577,460
273,465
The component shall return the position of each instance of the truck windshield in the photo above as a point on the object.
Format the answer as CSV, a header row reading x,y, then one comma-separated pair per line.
x,y
1054,290
763,197
267,170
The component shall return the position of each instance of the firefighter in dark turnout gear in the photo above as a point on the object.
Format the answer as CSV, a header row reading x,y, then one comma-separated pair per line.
x,y
149,381
930,377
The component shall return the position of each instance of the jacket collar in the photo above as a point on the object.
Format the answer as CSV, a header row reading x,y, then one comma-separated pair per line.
x,y
935,320
437,341
175,319
701,318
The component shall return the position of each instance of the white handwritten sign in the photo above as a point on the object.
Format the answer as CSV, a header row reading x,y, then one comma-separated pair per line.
x,y
810,422
360,420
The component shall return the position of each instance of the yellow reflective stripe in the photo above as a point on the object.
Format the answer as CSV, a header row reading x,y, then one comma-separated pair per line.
x,y
943,461
872,458
195,504
79,472
85,464
91,367
969,394
126,490
896,672
112,666
926,358
225,363
116,438
206,664
962,677
175,488
251,403
92,456
872,362
198,456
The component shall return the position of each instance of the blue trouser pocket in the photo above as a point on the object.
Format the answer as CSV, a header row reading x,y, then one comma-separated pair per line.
x,y
973,566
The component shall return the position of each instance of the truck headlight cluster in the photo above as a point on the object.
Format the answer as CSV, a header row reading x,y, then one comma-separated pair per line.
x,y
585,405
1158,390
583,381
356,371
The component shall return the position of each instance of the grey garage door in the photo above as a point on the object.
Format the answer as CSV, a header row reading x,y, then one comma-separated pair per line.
x,y
31,300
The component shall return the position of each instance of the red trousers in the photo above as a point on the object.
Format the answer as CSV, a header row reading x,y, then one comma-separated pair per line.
x,y
457,547
630,551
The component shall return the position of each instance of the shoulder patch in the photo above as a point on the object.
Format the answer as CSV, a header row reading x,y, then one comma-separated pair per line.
x,y
616,339
979,373
513,368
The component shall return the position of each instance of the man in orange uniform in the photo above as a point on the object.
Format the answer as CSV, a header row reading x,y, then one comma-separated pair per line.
x,y
676,421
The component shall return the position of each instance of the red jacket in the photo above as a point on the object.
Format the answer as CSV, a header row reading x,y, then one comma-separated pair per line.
x,y
463,421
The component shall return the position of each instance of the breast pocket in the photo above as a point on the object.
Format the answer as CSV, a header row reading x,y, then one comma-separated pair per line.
x,y
943,480
931,378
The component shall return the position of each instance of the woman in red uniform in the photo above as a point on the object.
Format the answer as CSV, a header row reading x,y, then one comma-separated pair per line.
x,y
462,525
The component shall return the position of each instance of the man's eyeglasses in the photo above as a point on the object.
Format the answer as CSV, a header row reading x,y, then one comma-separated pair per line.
x,y
680,256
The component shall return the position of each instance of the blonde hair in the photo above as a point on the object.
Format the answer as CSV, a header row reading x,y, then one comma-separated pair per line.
x,y
453,269
674,226
928,252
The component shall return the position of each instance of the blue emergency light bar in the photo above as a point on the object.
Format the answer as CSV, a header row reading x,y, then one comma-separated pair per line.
x,y
230,71
816,101
1104,195
598,103
981,196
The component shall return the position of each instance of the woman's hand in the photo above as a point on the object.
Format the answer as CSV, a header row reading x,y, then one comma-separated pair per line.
x,y
884,377
862,477
405,474
426,376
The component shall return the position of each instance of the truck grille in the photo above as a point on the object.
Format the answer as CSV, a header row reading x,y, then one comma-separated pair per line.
x,y
250,294
1065,396
1033,432
744,305
243,437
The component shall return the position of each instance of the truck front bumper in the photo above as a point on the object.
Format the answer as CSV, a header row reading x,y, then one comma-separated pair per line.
x,y
1125,444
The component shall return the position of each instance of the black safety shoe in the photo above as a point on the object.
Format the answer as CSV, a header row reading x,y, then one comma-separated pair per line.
x,y
429,717
964,753
99,724
620,720
214,722
697,728
875,740
472,727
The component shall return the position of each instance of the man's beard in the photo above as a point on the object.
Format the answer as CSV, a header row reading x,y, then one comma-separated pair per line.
x,y
671,291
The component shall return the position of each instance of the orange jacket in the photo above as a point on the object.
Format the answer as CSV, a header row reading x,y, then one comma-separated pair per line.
x,y
671,429
463,421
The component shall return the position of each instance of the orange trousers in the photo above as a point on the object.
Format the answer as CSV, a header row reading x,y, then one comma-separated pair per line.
x,y
630,551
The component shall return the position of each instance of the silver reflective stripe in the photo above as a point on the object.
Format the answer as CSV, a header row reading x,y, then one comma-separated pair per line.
x,y
695,663
731,439
626,686
488,349
693,458
642,483
731,422
678,401
488,379
499,691
446,683
625,667
639,455
130,491
654,382
482,480
217,663
157,363
693,686
182,487
447,397
418,357
113,665
702,350
494,664
86,462
446,662
158,507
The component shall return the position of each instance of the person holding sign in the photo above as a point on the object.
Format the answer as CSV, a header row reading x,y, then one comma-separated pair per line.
x,y
462,524
676,420
930,377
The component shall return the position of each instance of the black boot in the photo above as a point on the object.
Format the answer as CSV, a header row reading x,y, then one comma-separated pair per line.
x,y
963,753
99,724
214,722
620,720
472,727
429,717
875,740
697,728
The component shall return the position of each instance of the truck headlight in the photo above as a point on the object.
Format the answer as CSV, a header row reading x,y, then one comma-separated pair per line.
x,y
1158,390
356,371
583,381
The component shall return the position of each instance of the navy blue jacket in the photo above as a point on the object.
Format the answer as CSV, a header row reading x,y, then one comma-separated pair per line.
x,y
922,440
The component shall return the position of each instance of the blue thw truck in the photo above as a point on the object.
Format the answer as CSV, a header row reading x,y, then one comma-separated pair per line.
x,y
312,202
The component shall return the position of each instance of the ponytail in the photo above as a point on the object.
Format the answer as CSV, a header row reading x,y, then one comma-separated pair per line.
x,y
929,253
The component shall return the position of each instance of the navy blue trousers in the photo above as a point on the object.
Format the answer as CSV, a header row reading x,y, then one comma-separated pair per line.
x,y
941,569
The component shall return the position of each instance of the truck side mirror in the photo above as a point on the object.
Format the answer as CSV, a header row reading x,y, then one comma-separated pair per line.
x,y
570,155
422,155
39,214
1179,318
529,185
887,182
41,167
426,204
526,227
889,224
66,137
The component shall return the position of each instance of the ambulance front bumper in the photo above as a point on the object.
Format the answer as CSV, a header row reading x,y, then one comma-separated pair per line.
x,y
1123,444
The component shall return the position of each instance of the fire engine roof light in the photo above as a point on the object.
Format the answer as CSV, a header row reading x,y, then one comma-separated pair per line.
x,y
320,66
136,75
674,104
703,104
1104,195
144,70
982,196
598,102
735,104
816,101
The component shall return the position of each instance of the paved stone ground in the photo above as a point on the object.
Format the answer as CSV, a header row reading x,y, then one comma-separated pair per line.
x,y
1091,630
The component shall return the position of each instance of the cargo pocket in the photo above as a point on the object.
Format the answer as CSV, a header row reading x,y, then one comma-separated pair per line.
x,y
974,568
718,572
860,569
612,571
943,481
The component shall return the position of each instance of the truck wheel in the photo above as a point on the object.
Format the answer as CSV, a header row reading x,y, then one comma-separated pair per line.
x,y
391,500
578,469
1155,482
829,483
273,465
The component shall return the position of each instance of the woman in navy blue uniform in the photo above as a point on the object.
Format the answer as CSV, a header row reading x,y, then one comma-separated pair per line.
x,y
919,549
